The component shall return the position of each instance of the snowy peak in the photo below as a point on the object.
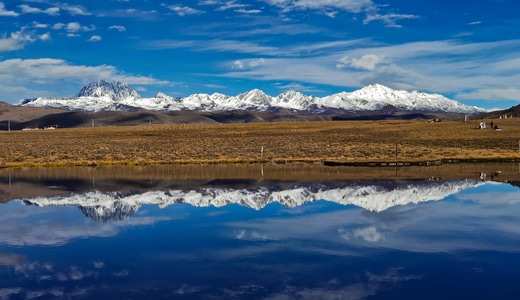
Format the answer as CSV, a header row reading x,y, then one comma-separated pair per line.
x,y
113,90
255,99
294,100
374,91
102,95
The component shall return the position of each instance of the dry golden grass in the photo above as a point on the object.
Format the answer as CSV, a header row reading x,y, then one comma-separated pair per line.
x,y
308,142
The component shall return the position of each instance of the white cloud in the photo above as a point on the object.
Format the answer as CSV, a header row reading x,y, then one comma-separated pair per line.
x,y
257,62
353,6
184,10
234,46
18,40
332,7
27,78
118,28
492,94
365,62
75,10
240,47
248,11
237,64
58,26
215,86
293,86
26,9
7,13
94,38
388,19
331,14
444,66
76,27
230,5
40,25
208,2
249,63
45,37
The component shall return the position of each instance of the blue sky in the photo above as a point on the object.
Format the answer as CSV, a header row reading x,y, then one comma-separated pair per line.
x,y
467,51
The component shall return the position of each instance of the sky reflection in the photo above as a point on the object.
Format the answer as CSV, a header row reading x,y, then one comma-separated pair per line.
x,y
318,249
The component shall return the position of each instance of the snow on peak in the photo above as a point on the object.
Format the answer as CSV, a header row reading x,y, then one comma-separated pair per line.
x,y
114,90
255,99
104,95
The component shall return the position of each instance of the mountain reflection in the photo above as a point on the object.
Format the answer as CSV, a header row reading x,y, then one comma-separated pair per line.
x,y
241,235
375,196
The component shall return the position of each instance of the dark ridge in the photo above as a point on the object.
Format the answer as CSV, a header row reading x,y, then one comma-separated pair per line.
x,y
240,116
61,120
384,117
513,111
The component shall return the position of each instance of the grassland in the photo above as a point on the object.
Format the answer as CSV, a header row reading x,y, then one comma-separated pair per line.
x,y
349,142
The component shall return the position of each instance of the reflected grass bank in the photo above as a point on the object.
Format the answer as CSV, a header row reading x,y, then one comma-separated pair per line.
x,y
28,182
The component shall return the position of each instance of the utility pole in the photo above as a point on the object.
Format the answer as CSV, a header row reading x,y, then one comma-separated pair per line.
x,y
8,125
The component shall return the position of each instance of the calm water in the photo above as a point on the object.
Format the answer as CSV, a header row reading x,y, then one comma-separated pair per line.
x,y
260,239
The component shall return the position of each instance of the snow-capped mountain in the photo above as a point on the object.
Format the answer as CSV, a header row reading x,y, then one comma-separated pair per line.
x,y
112,206
117,91
110,96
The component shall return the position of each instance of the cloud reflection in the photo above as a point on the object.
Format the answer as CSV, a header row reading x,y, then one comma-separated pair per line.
x,y
51,226
424,228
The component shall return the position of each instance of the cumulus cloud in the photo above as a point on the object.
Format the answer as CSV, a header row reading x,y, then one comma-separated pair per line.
x,y
58,26
442,66
365,62
492,94
45,36
118,28
230,5
18,40
40,25
294,86
248,63
257,62
184,10
27,78
75,10
248,11
7,13
76,27
237,64
354,6
95,38
390,20
332,7
26,9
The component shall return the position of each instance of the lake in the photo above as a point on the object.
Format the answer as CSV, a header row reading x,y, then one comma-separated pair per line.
x,y
261,232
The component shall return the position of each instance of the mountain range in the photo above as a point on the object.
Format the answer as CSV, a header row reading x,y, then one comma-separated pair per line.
x,y
113,206
103,95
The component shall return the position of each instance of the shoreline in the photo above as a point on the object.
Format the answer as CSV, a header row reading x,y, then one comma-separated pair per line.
x,y
325,163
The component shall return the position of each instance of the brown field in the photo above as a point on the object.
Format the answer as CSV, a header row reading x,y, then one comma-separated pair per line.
x,y
348,142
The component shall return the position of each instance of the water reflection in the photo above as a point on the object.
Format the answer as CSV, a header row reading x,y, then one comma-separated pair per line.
x,y
376,195
253,237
